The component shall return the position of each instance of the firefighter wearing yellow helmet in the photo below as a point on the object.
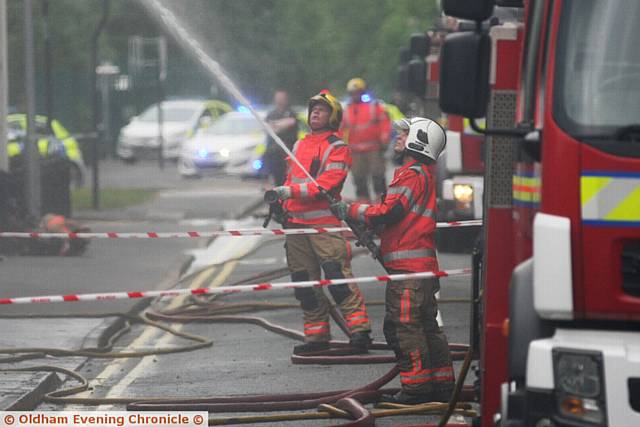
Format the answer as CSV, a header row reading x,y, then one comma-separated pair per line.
x,y
367,129
323,154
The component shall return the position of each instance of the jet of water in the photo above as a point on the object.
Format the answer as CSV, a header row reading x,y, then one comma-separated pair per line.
x,y
191,45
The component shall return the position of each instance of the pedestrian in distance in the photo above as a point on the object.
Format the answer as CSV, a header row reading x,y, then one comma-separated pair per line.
x,y
285,124
367,129
407,217
327,158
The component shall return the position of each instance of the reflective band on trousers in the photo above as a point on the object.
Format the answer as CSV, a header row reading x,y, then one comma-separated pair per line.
x,y
357,318
410,254
311,214
316,328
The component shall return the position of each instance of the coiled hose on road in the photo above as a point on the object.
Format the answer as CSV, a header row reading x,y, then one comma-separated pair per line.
x,y
332,404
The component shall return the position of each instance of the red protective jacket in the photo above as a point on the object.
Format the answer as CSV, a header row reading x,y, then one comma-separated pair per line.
x,y
331,158
406,245
367,126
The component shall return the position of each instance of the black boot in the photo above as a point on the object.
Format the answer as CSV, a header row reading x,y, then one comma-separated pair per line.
x,y
360,341
311,347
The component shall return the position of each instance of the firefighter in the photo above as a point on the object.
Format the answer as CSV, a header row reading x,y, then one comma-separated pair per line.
x,y
327,158
407,217
367,129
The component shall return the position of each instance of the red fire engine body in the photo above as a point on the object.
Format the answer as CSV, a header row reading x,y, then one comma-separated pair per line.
x,y
558,313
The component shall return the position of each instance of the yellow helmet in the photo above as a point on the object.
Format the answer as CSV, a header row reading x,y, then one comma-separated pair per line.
x,y
356,84
329,100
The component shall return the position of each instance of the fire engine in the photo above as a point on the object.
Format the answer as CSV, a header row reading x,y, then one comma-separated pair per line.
x,y
557,313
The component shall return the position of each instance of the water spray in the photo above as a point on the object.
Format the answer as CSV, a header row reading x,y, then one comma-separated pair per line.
x,y
191,45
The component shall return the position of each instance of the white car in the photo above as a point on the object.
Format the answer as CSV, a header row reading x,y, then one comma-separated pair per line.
x,y
181,119
234,144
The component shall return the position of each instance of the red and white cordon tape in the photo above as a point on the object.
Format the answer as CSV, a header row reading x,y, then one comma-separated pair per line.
x,y
229,289
216,233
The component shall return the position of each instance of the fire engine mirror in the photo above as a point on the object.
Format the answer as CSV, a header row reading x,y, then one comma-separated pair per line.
x,y
474,10
420,45
464,76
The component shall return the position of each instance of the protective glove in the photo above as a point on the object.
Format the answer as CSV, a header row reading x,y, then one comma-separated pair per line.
x,y
284,192
340,210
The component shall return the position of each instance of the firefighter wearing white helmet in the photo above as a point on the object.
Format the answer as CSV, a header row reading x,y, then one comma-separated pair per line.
x,y
407,217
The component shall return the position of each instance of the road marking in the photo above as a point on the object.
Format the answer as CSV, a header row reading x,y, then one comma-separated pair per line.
x,y
162,338
141,341
259,261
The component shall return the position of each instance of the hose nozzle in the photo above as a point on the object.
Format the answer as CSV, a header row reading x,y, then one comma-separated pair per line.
x,y
271,197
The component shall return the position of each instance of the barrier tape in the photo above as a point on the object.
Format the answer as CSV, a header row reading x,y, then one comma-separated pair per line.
x,y
229,289
196,234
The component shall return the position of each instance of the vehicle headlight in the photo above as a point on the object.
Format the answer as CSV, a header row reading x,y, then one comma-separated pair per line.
x,y
463,193
579,385
225,153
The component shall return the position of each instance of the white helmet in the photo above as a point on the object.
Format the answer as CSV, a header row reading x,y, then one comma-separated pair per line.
x,y
426,137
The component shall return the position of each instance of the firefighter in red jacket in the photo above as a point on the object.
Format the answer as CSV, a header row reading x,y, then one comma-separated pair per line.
x,y
407,217
327,159
367,129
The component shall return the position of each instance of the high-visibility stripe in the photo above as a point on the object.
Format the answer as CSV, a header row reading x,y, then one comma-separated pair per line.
x,y
337,165
312,214
356,322
405,306
419,210
325,157
526,189
610,198
296,180
316,328
361,211
304,190
402,191
410,254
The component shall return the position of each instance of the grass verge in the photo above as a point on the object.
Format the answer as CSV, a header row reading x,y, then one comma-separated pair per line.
x,y
110,198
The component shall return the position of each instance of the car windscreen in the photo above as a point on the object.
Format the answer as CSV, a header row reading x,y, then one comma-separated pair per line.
x,y
169,114
234,125
597,89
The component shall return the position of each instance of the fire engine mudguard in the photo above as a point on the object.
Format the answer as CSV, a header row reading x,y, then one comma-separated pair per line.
x,y
524,323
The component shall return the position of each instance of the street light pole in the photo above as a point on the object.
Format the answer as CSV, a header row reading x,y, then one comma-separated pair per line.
x,y
4,87
31,148
94,104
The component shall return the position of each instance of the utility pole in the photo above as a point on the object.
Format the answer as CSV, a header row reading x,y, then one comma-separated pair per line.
x,y
48,64
95,152
4,87
162,76
31,149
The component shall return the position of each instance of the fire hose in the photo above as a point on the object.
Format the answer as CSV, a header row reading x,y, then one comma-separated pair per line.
x,y
200,306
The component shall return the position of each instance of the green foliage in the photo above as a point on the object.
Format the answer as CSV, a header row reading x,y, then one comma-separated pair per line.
x,y
300,45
